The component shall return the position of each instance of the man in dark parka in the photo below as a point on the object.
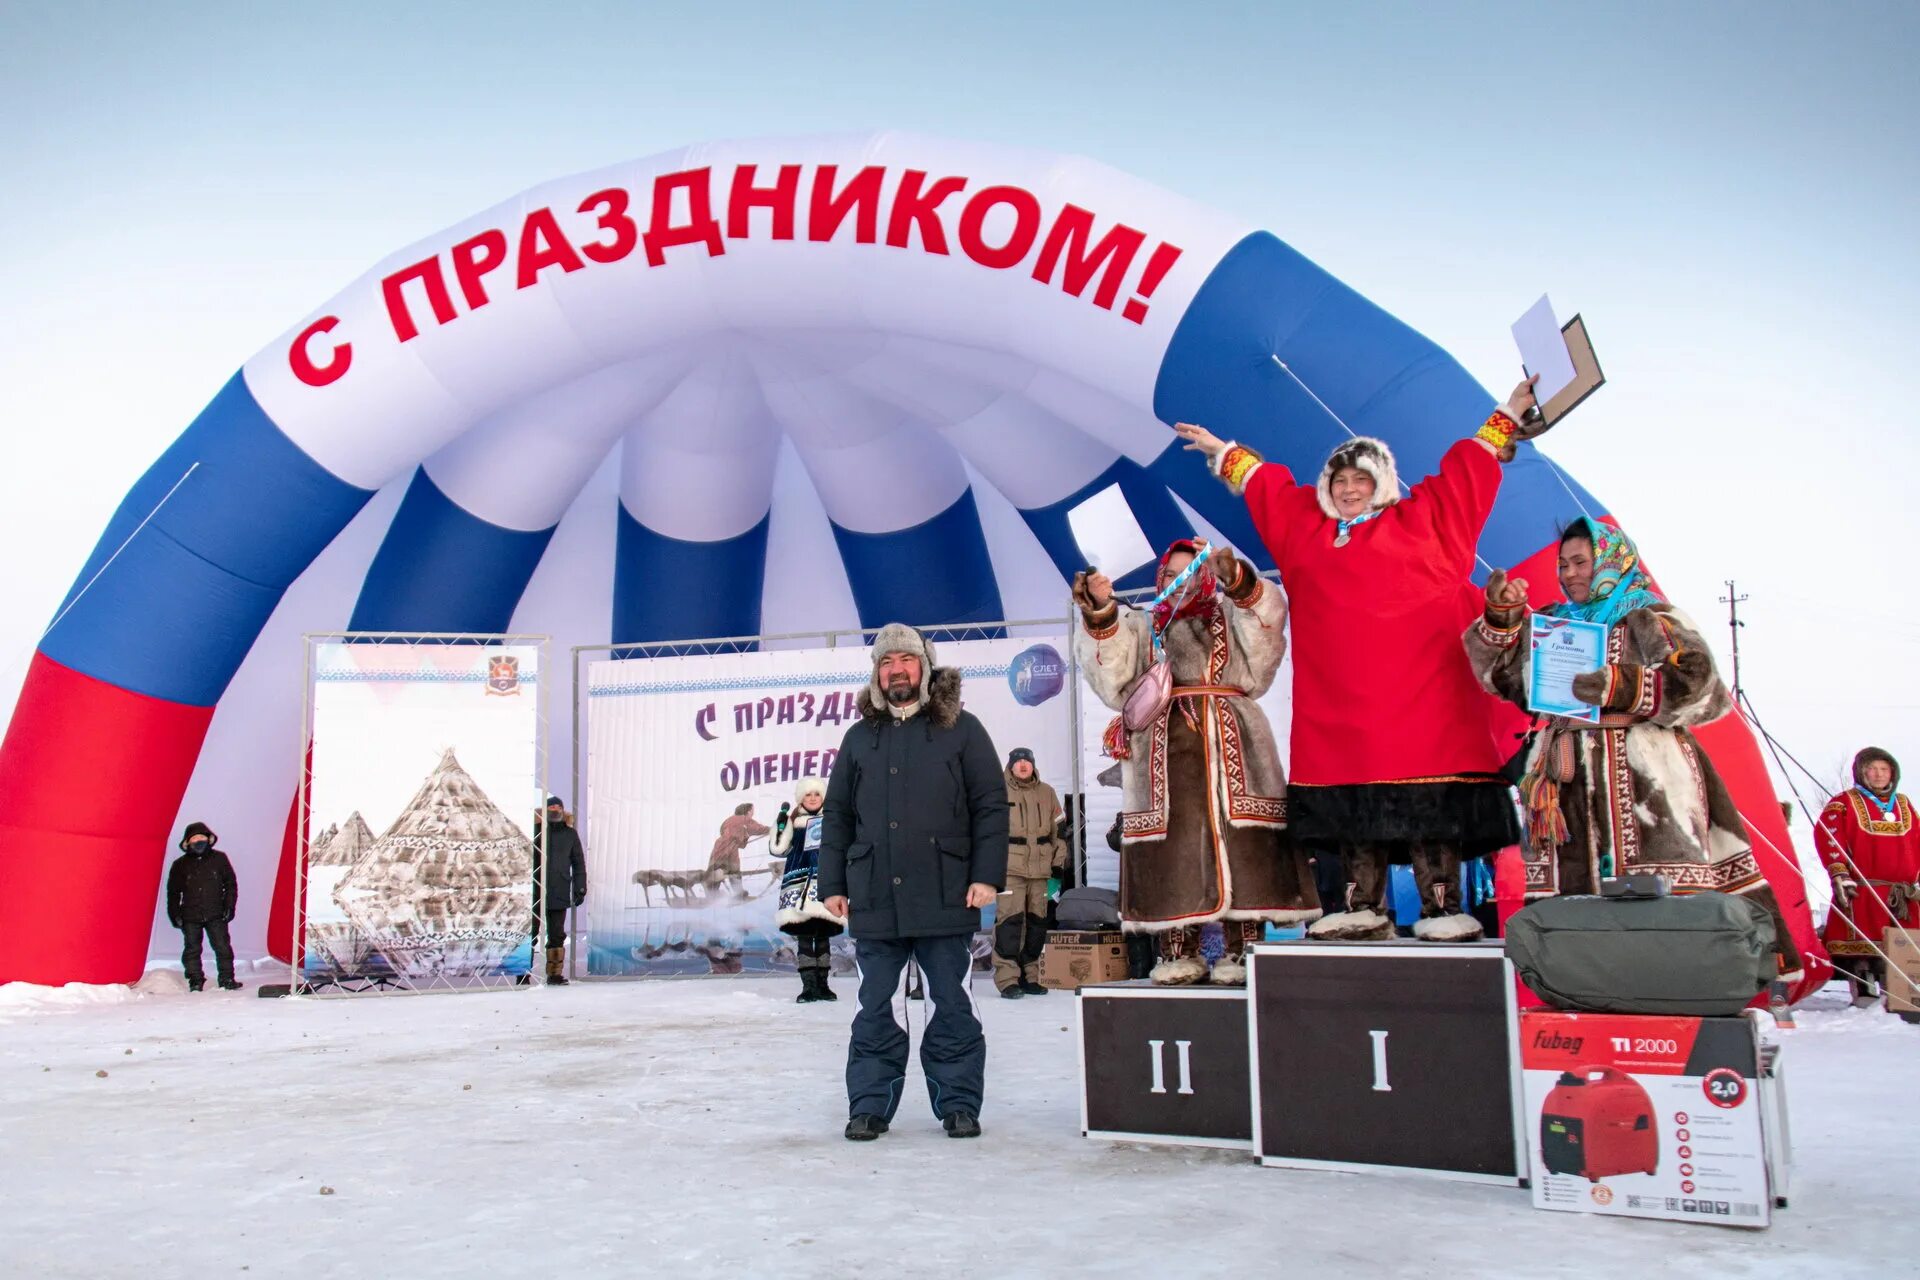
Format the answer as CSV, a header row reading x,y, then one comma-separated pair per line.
x,y
914,843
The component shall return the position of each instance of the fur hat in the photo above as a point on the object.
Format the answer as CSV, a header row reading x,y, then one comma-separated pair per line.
x,y
1369,455
1867,756
898,637
806,785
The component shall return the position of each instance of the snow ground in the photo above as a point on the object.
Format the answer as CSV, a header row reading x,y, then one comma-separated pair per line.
x,y
693,1128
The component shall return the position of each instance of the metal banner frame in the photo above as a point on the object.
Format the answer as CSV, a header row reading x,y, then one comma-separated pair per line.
x,y
1047,628
399,985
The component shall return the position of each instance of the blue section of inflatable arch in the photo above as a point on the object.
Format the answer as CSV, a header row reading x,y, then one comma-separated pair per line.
x,y
174,613
937,572
669,589
442,568
1159,515
1377,374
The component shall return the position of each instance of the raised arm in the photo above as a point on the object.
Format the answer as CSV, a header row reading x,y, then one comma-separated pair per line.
x,y
1496,647
1274,499
1459,497
1257,616
1112,645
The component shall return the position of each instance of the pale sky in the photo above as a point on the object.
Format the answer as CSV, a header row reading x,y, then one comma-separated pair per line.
x,y
1726,192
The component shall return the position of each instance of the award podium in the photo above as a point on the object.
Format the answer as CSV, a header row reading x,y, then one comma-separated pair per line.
x,y
1374,1056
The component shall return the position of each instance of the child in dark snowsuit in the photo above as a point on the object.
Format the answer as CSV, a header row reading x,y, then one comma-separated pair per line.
x,y
201,894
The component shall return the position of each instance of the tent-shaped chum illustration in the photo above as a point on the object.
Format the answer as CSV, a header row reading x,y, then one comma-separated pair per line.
x,y
448,889
335,853
928,351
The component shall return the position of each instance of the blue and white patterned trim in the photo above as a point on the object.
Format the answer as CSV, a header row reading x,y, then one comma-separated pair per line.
x,y
647,688
351,675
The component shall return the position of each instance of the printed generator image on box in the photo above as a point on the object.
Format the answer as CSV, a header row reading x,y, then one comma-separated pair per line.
x,y
1598,1123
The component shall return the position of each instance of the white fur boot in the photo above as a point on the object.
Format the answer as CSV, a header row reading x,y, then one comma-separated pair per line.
x,y
1231,971
1457,927
1351,926
1181,972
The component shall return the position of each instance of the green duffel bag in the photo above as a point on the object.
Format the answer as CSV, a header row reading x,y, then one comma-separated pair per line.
x,y
1701,954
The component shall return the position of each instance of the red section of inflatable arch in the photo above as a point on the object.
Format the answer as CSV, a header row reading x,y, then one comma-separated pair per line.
x,y
280,907
1736,755
81,910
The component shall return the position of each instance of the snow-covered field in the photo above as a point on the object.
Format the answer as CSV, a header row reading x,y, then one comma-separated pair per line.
x,y
693,1129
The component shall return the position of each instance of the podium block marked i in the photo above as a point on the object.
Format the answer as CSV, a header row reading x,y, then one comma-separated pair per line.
x,y
1386,1057
1165,1065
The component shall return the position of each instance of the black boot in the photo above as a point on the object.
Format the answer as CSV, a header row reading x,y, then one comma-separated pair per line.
x,y
962,1124
196,984
810,985
865,1128
228,984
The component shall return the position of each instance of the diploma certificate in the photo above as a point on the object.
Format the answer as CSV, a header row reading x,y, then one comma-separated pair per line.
x,y
1563,648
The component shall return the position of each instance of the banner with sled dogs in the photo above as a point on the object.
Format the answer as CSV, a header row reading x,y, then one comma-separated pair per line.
x,y
689,759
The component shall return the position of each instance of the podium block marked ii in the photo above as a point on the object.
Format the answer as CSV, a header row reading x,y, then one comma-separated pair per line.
x,y
1165,1065
1386,1056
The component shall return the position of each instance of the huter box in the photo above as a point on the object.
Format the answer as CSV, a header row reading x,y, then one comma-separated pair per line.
x,y
1165,1065
1389,1057
1071,960
1647,1117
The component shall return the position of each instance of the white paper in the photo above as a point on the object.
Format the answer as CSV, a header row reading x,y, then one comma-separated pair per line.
x,y
1108,535
1543,349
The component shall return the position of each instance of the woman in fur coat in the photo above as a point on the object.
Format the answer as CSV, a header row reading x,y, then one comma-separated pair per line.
x,y
1634,793
1203,834
1394,759
796,838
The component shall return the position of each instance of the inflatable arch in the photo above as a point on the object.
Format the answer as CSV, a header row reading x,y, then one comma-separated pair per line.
x,y
906,317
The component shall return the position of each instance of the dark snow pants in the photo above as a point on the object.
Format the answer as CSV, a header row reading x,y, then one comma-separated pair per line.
x,y
216,931
953,1049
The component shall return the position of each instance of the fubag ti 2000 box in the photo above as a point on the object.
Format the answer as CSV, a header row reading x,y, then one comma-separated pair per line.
x,y
1646,1117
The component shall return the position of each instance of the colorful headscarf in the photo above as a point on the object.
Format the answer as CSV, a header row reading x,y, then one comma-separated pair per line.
x,y
1619,585
1200,596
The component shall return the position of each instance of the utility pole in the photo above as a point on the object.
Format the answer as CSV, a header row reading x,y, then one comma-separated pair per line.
x,y
1733,600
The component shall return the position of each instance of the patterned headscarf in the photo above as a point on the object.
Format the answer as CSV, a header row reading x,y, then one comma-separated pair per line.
x,y
1619,585
1199,594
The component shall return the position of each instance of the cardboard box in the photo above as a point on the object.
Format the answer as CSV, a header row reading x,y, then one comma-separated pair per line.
x,y
1071,960
1647,1117
1903,972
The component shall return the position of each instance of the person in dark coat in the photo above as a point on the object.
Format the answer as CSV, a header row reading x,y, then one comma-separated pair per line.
x,y
914,843
562,886
201,896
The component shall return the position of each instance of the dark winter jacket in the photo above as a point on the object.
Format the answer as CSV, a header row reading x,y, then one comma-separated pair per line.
x,y
201,888
916,811
565,882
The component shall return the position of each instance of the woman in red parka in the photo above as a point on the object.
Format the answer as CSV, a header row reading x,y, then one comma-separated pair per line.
x,y
1393,755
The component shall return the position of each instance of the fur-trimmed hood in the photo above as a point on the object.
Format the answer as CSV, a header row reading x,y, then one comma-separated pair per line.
x,y
1869,755
1371,456
942,702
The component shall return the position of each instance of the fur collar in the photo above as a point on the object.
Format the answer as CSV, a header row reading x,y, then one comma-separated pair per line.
x,y
943,700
